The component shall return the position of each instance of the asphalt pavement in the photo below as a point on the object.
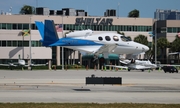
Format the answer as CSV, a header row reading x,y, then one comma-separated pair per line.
x,y
70,86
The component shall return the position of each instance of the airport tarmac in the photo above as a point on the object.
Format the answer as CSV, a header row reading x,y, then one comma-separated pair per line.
x,y
69,87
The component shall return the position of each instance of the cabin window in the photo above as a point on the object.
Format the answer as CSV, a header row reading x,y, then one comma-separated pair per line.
x,y
126,39
107,38
100,38
115,38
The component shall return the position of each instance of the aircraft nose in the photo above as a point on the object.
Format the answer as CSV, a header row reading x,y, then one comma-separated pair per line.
x,y
155,65
145,48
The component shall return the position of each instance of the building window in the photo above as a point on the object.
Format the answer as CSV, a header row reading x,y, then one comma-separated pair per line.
x,y
9,26
20,26
169,30
100,38
14,43
19,43
33,27
25,26
129,28
107,38
40,44
135,28
9,43
37,43
3,25
14,26
4,43
26,43
174,30
178,30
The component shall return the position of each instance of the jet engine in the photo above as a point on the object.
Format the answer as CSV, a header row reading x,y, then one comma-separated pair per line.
x,y
84,33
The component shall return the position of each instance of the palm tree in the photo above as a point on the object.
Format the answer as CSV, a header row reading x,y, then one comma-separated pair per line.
x,y
143,40
26,9
175,45
162,44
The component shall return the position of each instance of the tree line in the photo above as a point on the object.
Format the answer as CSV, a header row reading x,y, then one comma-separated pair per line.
x,y
27,9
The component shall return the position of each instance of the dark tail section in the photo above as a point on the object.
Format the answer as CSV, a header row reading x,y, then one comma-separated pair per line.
x,y
48,32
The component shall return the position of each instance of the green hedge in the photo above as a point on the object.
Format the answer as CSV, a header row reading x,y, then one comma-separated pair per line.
x,y
44,67
25,68
68,67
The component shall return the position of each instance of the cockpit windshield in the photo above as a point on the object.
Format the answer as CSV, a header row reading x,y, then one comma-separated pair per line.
x,y
126,39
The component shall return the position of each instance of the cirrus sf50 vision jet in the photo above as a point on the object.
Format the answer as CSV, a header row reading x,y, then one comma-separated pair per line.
x,y
86,41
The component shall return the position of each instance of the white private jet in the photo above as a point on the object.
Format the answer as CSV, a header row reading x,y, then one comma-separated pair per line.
x,y
21,63
138,64
88,42
135,65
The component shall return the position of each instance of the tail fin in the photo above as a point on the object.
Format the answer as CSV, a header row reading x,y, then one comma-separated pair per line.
x,y
48,32
40,27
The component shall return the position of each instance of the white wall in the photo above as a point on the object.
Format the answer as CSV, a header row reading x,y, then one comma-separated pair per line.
x,y
14,52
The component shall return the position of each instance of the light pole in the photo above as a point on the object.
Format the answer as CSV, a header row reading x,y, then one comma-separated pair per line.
x,y
36,6
155,42
118,9
30,42
63,47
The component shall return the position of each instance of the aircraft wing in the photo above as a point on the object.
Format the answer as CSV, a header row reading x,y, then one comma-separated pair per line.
x,y
125,61
105,48
95,49
4,65
10,64
122,67
139,67
39,64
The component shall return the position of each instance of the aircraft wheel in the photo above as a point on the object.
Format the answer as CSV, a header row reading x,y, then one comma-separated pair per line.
x,y
142,70
10,67
129,69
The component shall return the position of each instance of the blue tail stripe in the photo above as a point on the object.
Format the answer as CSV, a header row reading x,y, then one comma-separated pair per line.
x,y
40,27
50,34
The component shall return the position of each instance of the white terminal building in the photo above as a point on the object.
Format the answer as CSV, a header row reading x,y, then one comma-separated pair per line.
x,y
13,43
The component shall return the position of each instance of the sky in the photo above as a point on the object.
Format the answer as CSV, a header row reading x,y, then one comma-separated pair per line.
x,y
95,7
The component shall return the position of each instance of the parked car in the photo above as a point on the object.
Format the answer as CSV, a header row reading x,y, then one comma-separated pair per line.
x,y
170,69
